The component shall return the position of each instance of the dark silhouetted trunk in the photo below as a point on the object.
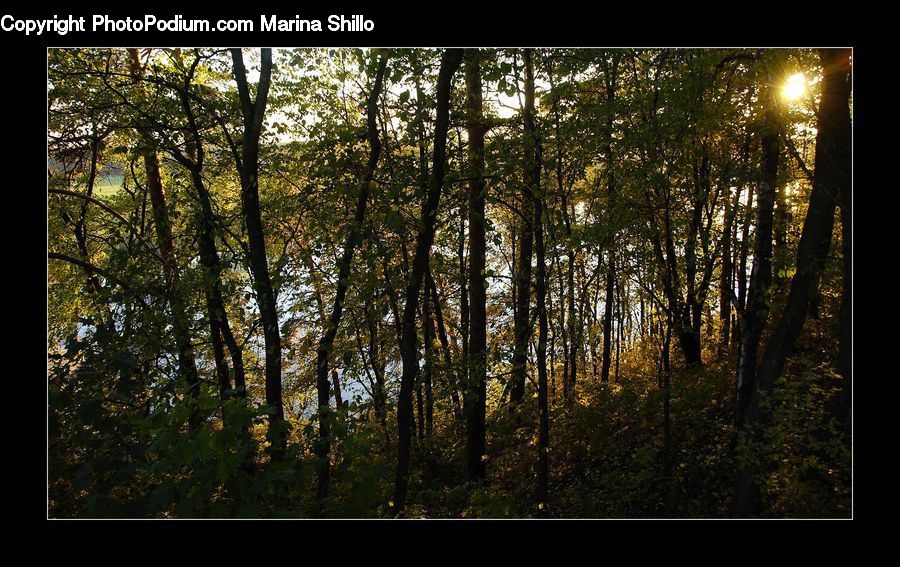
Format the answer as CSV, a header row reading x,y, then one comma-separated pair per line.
x,y
475,387
695,293
253,112
611,204
742,261
420,410
522,282
379,391
80,225
568,326
452,384
450,61
464,310
533,181
326,344
726,281
756,311
428,370
608,317
832,178
666,383
221,335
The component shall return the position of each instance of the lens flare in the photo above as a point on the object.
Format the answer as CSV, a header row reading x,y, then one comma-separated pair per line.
x,y
795,87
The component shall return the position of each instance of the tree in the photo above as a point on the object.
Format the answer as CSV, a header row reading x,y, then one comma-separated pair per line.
x,y
475,387
450,61
611,71
353,238
533,165
186,358
221,334
253,111
374,224
832,177
756,313
522,291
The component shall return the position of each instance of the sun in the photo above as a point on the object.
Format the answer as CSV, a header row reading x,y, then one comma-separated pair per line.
x,y
795,87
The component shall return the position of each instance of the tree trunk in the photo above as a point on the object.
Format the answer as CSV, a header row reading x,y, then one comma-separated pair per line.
x,y
323,352
220,328
533,181
607,317
757,310
452,384
253,112
450,61
726,283
428,370
475,388
666,382
742,261
464,309
218,318
378,369
522,283
568,327
522,318
611,204
832,178
180,320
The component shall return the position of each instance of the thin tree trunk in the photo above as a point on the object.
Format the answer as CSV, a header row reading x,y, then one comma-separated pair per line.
x,y
742,261
378,370
475,387
450,61
253,112
568,327
533,180
611,204
420,411
757,310
428,345
726,283
219,324
522,319
607,317
666,382
464,309
220,328
452,384
522,323
161,217
323,352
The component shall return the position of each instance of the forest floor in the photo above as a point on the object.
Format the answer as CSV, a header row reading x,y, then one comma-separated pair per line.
x,y
608,457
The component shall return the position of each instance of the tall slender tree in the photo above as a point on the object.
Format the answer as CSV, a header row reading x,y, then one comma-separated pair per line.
x,y
533,163
756,312
522,283
450,61
221,334
162,219
475,390
253,110
611,70
353,238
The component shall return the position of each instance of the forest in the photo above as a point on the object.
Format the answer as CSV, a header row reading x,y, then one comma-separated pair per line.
x,y
449,283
